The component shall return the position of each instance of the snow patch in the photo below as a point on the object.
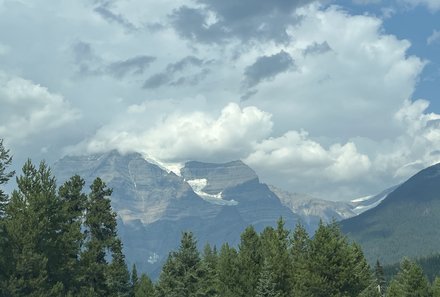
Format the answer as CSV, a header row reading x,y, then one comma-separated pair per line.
x,y
168,167
199,184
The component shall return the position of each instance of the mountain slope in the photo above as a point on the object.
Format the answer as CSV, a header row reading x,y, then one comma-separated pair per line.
x,y
405,223
154,206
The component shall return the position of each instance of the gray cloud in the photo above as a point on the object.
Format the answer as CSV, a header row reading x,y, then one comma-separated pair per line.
x,y
156,81
104,11
89,63
267,67
168,76
317,48
246,20
135,65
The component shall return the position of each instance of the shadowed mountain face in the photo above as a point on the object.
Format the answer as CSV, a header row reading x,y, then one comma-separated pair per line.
x,y
215,201
405,223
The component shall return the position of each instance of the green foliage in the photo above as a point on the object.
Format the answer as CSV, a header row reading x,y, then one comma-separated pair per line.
x,y
228,272
145,287
181,274
5,176
267,284
250,261
436,287
409,282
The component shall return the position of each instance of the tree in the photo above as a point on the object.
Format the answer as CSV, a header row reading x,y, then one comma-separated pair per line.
x,y
5,176
409,282
300,246
266,286
250,261
181,273
134,279
335,267
436,287
34,225
209,282
5,247
380,278
145,287
97,275
228,272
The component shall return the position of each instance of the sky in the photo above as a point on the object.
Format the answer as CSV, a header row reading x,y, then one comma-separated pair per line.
x,y
337,99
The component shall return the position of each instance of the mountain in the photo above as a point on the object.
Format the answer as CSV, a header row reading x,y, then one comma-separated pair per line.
x,y
405,223
312,210
215,201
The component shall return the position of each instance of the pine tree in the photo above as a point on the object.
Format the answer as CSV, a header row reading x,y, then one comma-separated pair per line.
x,y
300,246
134,281
118,277
5,247
34,224
228,272
145,287
409,282
335,268
266,286
181,273
73,202
250,261
97,275
209,281
436,287
380,278
5,176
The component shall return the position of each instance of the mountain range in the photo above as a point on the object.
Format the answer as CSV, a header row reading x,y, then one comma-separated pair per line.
x,y
216,201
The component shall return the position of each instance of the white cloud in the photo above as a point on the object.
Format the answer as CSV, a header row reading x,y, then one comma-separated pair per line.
x,y
433,38
432,5
196,135
29,109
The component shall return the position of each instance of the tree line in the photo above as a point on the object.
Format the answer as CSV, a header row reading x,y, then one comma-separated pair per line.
x,y
63,242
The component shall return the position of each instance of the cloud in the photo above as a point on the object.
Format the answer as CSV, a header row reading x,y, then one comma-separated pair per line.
x,y
168,76
432,5
267,67
196,135
217,21
134,66
90,63
294,154
29,109
104,11
433,38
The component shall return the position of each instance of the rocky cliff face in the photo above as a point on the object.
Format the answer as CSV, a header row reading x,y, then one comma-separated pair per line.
x,y
215,201
311,210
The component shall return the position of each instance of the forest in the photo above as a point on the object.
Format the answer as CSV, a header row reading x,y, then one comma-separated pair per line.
x,y
63,241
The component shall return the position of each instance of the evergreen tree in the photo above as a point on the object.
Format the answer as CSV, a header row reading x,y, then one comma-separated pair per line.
x,y
5,176
5,247
73,203
380,278
250,261
34,224
145,287
266,286
134,281
118,277
181,273
228,272
97,275
300,245
409,282
209,282
335,268
436,287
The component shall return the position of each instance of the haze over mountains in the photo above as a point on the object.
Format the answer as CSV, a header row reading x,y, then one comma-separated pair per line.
x,y
215,201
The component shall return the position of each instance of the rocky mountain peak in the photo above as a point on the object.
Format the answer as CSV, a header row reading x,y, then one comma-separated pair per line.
x,y
219,176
